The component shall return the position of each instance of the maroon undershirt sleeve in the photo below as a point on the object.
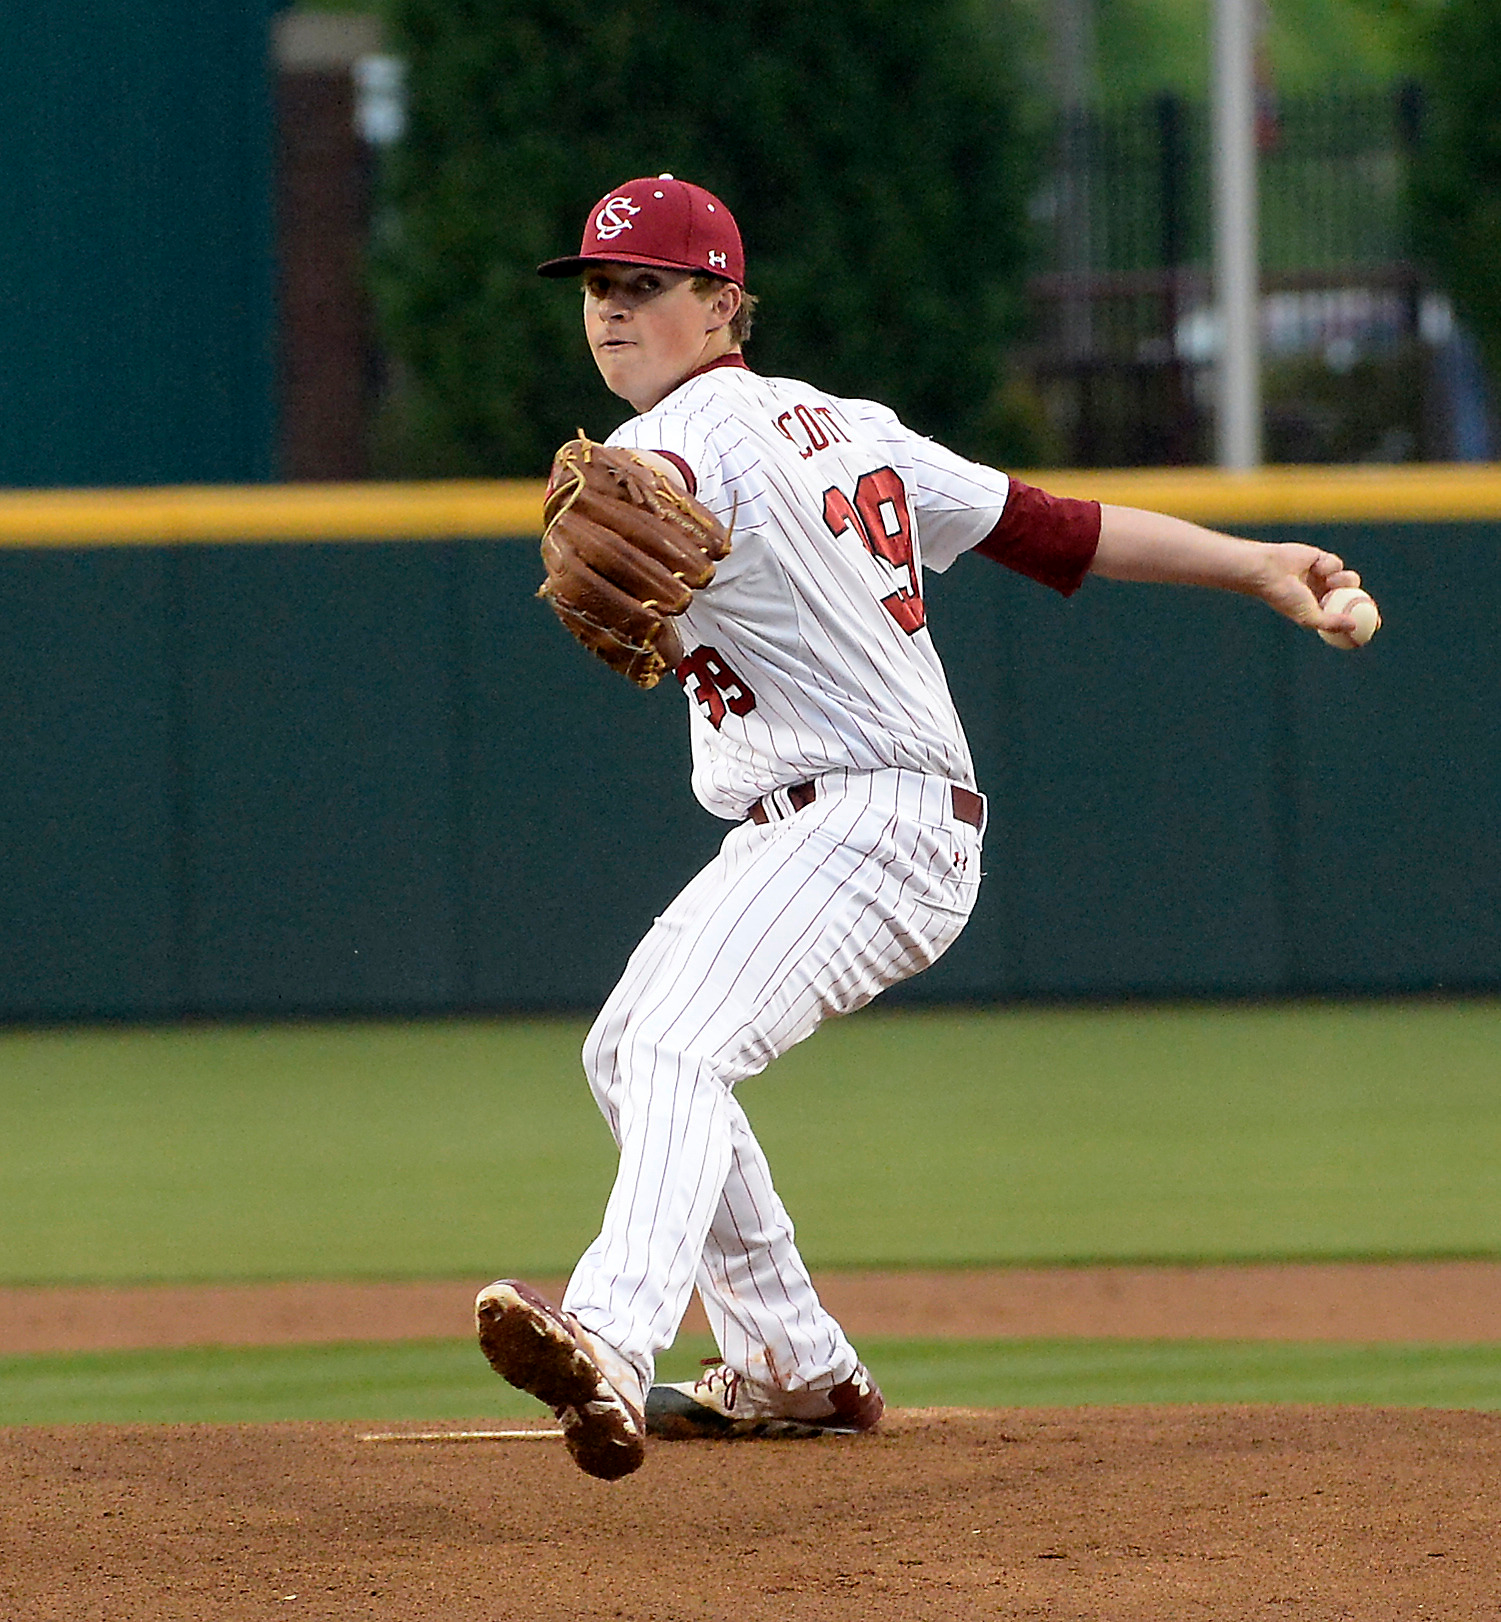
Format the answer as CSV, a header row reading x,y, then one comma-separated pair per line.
x,y
1051,539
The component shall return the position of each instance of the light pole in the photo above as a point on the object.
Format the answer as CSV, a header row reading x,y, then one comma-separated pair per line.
x,y
1073,72
1236,283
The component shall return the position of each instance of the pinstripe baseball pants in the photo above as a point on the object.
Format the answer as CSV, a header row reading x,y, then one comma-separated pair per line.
x,y
812,914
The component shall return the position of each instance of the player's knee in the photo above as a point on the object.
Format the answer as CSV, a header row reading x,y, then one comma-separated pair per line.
x,y
621,1060
600,1047
616,1053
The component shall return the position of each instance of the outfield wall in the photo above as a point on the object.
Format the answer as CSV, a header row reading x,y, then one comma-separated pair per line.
x,y
360,772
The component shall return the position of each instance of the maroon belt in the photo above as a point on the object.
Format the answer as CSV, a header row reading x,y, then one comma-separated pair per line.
x,y
968,806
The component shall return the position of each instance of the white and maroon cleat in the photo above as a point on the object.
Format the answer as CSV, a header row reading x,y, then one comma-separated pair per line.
x,y
722,1403
542,1350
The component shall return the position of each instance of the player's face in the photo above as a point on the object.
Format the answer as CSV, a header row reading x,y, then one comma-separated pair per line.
x,y
648,329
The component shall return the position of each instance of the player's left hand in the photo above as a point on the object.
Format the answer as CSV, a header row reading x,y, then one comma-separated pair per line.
x,y
1298,578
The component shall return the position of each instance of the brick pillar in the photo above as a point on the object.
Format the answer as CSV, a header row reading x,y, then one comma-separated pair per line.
x,y
327,359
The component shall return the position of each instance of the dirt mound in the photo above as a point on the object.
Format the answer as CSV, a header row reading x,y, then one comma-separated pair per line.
x,y
1125,1514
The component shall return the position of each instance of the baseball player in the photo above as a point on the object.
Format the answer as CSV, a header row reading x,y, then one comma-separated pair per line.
x,y
823,730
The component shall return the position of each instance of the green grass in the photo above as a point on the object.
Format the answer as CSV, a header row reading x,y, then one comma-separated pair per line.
x,y
429,1379
447,1380
471,1148
287,1151
1074,1373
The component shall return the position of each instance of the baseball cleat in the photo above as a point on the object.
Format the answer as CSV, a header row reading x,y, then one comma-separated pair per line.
x,y
542,1350
725,1405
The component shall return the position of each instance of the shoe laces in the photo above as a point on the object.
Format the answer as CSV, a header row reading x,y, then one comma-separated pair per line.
x,y
720,1374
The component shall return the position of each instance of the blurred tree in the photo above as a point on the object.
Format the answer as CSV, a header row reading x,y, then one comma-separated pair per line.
x,y
1457,183
1143,47
877,154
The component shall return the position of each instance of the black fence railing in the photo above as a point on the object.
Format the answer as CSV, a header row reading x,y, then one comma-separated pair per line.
x,y
1362,360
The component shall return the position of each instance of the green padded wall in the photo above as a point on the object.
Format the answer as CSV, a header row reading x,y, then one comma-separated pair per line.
x,y
318,775
1396,773
377,779
91,812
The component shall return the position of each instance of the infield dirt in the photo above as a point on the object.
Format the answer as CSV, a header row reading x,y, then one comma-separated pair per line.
x,y
1109,1515
1130,1515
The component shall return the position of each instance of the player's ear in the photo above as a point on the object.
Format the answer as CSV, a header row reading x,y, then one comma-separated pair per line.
x,y
726,302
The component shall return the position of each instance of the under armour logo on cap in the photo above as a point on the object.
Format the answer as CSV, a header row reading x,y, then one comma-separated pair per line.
x,y
659,220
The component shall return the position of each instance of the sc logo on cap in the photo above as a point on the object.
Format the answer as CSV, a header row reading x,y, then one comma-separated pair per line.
x,y
614,218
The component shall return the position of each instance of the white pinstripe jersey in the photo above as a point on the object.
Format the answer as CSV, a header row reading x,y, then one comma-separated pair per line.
x,y
809,652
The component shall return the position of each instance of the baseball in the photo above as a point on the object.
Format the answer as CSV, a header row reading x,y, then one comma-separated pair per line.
x,y
1360,606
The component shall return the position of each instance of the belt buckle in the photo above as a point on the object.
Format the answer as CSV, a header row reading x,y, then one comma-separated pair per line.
x,y
799,797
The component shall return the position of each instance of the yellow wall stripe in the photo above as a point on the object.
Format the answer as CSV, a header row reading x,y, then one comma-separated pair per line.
x,y
312,512
1289,495
482,507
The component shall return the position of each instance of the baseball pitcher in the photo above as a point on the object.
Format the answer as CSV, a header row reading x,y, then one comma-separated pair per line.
x,y
764,543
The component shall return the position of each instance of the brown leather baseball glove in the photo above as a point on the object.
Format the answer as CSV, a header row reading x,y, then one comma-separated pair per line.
x,y
624,549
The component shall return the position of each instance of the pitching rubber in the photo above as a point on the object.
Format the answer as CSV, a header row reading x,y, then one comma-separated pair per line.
x,y
533,1435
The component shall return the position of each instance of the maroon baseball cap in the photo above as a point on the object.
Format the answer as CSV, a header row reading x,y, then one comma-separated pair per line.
x,y
658,221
